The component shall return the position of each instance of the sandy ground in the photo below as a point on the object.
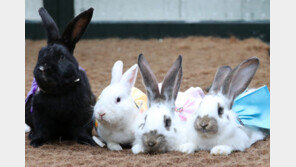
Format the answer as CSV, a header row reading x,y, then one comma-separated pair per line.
x,y
201,58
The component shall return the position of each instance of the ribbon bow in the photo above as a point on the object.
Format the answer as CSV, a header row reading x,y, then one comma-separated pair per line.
x,y
253,107
34,89
187,102
140,99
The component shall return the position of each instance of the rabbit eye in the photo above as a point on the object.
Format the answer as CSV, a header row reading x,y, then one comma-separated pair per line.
x,y
118,100
220,110
167,122
62,57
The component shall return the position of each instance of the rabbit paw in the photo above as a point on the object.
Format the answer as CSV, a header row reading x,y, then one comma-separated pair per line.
x,y
114,147
37,142
98,141
221,150
188,148
27,128
136,149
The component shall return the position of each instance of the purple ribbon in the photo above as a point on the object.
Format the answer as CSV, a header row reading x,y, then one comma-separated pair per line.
x,y
34,89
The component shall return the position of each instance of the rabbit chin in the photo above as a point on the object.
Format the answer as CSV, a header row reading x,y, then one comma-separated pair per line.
x,y
106,121
155,150
103,121
206,134
112,120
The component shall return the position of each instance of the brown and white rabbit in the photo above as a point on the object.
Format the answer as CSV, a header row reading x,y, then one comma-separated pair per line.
x,y
156,129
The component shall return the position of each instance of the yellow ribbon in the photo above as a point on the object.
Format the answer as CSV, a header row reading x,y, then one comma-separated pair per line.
x,y
140,99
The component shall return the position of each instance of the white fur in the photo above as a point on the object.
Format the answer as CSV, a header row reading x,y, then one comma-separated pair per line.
x,y
181,140
27,128
231,135
176,140
154,121
187,136
98,141
116,126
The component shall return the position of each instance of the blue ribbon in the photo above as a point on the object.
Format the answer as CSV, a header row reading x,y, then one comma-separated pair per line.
x,y
253,108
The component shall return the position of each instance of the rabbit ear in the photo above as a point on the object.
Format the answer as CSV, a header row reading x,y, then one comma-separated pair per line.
x,y
172,81
76,28
219,79
239,79
178,83
117,72
149,79
129,77
50,26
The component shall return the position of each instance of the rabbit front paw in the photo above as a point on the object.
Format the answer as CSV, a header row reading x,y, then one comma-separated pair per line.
x,y
114,147
136,149
188,148
27,128
221,150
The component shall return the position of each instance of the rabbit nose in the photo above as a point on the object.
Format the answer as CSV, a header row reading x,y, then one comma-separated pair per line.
x,y
204,125
102,114
151,143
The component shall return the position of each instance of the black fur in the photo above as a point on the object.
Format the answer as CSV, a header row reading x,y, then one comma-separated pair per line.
x,y
64,105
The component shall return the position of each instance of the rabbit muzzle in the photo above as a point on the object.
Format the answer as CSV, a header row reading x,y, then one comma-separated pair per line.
x,y
206,125
154,142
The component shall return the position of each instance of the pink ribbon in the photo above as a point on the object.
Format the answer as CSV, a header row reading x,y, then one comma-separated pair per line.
x,y
187,102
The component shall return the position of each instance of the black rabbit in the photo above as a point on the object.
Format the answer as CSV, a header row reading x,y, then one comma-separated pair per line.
x,y
63,105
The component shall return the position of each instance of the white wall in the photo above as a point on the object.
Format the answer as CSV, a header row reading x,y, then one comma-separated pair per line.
x,y
176,10
31,11
130,10
166,10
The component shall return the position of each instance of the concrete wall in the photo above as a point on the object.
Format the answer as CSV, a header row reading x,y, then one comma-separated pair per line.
x,y
176,10
166,10
31,12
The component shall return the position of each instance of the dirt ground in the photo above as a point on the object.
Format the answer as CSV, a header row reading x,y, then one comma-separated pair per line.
x,y
201,58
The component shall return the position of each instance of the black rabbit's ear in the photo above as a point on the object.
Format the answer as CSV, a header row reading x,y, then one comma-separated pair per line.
x,y
76,28
50,26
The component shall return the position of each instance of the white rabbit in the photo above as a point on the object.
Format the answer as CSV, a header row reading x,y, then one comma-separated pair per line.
x,y
115,109
216,125
156,130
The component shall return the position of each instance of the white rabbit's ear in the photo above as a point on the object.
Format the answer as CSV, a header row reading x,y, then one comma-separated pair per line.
x,y
220,77
130,76
149,80
117,72
172,81
239,78
178,83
